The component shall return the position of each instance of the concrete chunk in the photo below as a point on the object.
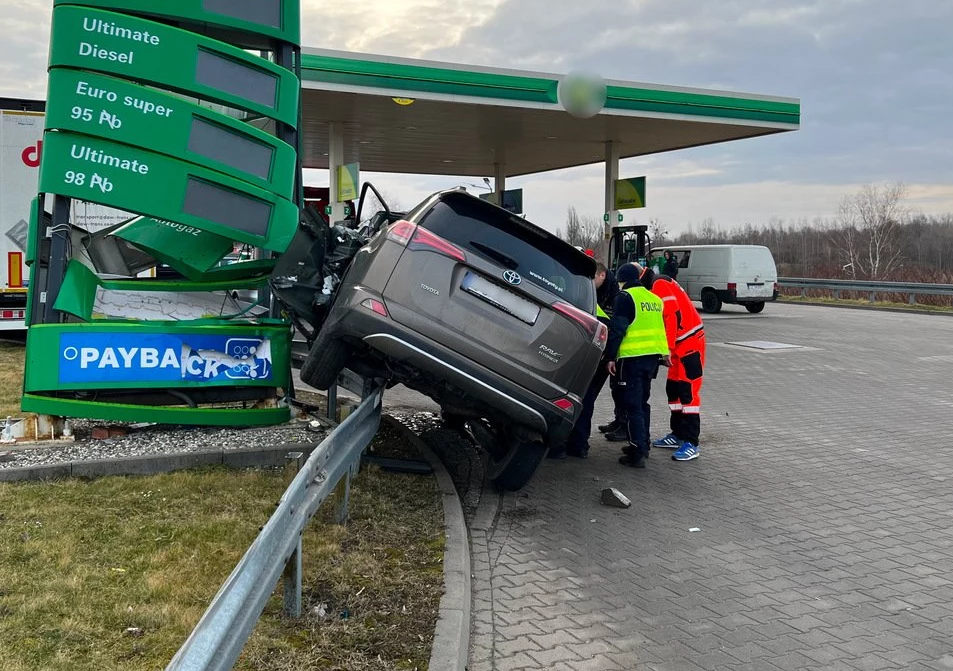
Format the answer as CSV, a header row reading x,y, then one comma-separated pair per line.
x,y
613,498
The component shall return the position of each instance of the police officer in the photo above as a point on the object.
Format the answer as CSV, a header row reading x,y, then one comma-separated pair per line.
x,y
637,345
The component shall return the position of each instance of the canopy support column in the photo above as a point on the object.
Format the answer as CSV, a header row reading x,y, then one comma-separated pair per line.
x,y
335,161
612,175
499,182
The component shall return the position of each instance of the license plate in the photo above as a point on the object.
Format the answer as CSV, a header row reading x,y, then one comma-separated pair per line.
x,y
497,296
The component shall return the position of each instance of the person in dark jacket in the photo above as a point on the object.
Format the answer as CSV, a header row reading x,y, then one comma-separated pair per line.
x,y
636,345
670,267
606,286
577,445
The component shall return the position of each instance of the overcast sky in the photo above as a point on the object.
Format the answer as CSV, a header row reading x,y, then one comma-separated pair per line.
x,y
874,77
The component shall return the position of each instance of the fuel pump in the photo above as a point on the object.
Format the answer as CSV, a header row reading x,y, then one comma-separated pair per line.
x,y
627,244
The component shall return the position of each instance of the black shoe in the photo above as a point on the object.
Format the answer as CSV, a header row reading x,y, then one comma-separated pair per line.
x,y
614,425
578,453
633,462
556,454
618,436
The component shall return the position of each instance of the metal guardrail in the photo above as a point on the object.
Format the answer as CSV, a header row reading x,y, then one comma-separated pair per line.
x,y
220,636
912,289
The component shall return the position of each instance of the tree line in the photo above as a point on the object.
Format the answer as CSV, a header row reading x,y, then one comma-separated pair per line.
x,y
873,236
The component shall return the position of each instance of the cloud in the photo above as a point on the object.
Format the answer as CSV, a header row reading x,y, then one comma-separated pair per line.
x,y
875,80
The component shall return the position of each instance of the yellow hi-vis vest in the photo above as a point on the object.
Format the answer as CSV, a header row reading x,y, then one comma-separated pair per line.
x,y
646,333
601,314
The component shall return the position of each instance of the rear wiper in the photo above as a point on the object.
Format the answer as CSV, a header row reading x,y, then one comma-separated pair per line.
x,y
497,255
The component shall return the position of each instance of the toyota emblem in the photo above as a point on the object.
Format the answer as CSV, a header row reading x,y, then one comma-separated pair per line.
x,y
512,277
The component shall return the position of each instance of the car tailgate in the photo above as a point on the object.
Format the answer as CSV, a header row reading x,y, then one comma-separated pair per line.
x,y
509,328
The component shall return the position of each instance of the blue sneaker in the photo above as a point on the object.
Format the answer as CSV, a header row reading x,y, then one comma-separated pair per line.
x,y
686,452
668,441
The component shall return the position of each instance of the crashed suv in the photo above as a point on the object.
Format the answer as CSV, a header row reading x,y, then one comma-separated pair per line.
x,y
484,312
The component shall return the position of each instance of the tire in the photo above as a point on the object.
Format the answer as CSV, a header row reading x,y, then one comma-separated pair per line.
x,y
512,469
754,308
325,361
710,301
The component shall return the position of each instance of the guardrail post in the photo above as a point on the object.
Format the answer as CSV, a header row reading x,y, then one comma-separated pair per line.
x,y
912,299
837,294
292,576
333,402
343,506
292,572
803,292
872,297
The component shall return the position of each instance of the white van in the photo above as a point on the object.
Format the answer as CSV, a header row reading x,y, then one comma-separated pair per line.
x,y
716,274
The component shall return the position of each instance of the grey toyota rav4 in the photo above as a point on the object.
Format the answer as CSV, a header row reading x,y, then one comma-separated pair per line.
x,y
472,305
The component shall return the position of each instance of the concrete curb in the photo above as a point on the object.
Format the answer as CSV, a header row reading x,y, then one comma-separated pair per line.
x,y
158,463
451,639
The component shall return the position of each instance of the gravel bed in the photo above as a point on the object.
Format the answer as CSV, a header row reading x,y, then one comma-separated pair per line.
x,y
156,439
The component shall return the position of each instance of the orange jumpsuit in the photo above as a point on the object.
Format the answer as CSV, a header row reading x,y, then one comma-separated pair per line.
x,y
686,340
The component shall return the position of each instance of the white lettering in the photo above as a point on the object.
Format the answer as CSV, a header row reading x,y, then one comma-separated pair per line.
x,y
194,366
84,89
211,368
147,107
169,359
127,355
149,357
92,25
83,153
87,355
109,359
94,50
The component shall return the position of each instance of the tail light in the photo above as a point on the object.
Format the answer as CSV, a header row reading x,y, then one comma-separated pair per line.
x,y
375,305
564,404
401,232
732,288
414,237
595,328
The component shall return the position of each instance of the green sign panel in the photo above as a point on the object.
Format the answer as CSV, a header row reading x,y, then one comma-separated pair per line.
x,y
188,249
155,356
160,55
120,111
278,19
151,184
630,193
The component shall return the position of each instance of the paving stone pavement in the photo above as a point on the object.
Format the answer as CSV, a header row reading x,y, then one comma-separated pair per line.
x,y
822,501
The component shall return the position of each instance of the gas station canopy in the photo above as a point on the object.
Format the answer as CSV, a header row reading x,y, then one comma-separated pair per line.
x,y
421,117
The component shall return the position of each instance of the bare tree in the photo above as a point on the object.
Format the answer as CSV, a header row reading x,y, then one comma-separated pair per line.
x,y
867,231
573,233
708,232
657,232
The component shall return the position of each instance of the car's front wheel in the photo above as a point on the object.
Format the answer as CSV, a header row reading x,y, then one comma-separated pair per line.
x,y
325,361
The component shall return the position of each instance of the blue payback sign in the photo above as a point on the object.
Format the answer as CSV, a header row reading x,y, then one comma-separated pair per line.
x,y
151,358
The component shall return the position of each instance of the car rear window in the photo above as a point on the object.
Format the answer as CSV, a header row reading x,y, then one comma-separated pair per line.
x,y
516,244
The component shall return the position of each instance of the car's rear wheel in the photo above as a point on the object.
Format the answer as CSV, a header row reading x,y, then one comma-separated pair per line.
x,y
710,301
754,308
325,361
512,465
